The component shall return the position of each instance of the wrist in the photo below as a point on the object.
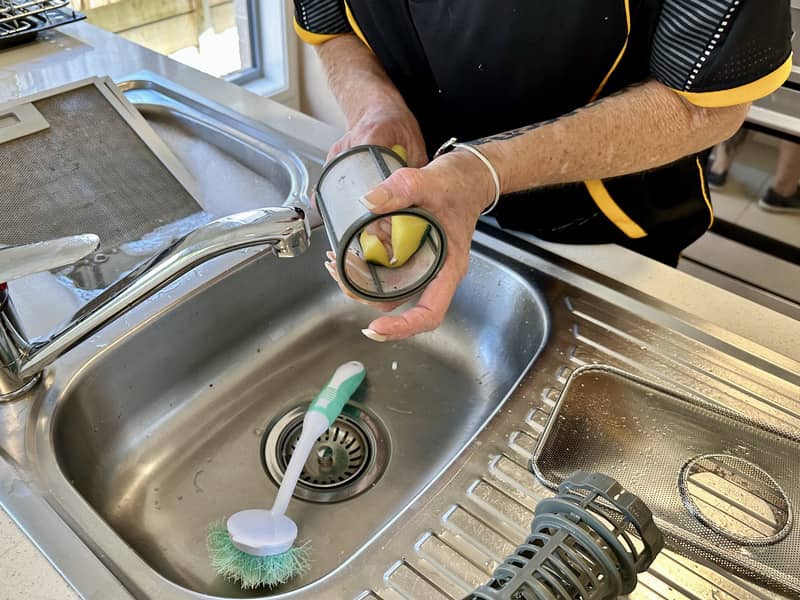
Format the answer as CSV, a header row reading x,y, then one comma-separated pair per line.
x,y
487,169
475,179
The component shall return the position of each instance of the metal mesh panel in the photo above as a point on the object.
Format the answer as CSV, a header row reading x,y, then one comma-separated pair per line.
x,y
644,436
88,173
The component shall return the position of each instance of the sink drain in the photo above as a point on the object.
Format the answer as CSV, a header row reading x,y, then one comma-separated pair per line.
x,y
346,460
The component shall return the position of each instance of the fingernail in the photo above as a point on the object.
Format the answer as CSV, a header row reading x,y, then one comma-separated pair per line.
x,y
374,335
375,198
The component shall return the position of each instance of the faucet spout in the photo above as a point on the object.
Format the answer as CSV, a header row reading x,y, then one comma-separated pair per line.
x,y
285,229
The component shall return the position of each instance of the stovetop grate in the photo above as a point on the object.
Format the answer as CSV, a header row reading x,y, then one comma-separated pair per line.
x,y
22,20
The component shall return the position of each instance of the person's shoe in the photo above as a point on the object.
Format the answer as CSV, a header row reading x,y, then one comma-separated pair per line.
x,y
774,202
716,180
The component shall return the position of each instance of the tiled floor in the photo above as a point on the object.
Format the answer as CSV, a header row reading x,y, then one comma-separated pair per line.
x,y
732,265
749,178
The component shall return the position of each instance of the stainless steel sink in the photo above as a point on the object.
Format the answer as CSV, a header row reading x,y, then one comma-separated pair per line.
x,y
162,434
159,425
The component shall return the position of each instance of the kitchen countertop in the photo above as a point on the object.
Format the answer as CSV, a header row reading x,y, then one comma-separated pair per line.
x,y
81,50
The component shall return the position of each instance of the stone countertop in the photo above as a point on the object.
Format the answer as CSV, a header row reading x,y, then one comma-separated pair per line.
x,y
80,50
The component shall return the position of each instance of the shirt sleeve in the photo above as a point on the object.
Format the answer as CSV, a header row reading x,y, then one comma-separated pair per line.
x,y
317,21
723,52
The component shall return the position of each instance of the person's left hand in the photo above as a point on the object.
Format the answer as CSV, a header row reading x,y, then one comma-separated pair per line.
x,y
455,188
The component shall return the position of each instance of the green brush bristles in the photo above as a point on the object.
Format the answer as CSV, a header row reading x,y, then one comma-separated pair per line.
x,y
254,571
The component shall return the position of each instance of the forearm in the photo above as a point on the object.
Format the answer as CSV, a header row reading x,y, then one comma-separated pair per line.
x,y
356,77
641,128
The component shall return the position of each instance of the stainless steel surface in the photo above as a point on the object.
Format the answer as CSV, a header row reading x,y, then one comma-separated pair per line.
x,y
283,229
19,261
109,174
346,460
19,121
252,169
644,434
448,538
98,271
253,156
265,350
736,498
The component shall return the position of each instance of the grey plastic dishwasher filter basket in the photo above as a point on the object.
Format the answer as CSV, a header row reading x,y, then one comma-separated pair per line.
x,y
722,486
578,548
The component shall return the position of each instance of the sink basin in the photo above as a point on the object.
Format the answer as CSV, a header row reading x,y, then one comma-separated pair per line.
x,y
165,431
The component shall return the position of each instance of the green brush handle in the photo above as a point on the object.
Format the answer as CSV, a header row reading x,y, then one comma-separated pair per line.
x,y
345,381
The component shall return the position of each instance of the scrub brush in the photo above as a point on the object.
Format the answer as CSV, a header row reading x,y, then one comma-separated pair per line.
x,y
256,547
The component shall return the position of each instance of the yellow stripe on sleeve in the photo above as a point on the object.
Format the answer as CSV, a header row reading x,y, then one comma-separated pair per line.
x,y
744,93
314,39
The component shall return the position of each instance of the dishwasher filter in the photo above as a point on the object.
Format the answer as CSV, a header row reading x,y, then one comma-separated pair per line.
x,y
80,159
722,487
578,549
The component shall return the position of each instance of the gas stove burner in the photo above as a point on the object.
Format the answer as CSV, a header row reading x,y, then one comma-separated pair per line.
x,y
22,20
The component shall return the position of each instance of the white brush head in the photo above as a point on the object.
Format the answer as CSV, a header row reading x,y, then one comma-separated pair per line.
x,y
261,533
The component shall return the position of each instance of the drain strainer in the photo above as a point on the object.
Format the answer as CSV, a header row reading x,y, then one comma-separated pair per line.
x,y
736,499
346,460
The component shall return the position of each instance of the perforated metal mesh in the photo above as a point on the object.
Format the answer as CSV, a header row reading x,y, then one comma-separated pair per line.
x,y
88,173
642,435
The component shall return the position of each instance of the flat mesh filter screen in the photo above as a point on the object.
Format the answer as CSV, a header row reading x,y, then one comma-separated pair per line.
x,y
88,173
610,422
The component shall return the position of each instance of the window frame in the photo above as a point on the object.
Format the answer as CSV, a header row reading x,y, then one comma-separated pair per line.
x,y
274,52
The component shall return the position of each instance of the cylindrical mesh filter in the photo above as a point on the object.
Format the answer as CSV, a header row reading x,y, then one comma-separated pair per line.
x,y
343,182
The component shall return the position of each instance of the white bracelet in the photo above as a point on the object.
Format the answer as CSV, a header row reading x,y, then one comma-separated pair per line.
x,y
451,143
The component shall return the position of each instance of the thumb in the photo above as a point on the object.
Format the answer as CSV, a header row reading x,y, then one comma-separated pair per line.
x,y
402,189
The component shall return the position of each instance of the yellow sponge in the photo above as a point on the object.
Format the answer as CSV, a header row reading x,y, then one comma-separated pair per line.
x,y
408,233
374,250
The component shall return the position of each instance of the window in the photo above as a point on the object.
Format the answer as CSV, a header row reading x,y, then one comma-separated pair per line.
x,y
243,41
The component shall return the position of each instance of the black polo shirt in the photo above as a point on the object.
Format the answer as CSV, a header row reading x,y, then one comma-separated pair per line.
x,y
470,69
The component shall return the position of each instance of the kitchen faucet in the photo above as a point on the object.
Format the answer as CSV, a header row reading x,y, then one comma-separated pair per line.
x,y
285,229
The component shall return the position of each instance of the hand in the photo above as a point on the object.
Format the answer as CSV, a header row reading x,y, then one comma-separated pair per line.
x,y
455,188
385,123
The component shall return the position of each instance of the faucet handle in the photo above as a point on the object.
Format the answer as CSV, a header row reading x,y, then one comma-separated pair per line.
x,y
19,261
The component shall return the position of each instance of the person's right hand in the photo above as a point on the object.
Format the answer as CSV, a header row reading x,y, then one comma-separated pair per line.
x,y
385,123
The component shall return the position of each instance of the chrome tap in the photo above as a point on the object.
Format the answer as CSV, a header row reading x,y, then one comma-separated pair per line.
x,y
22,360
